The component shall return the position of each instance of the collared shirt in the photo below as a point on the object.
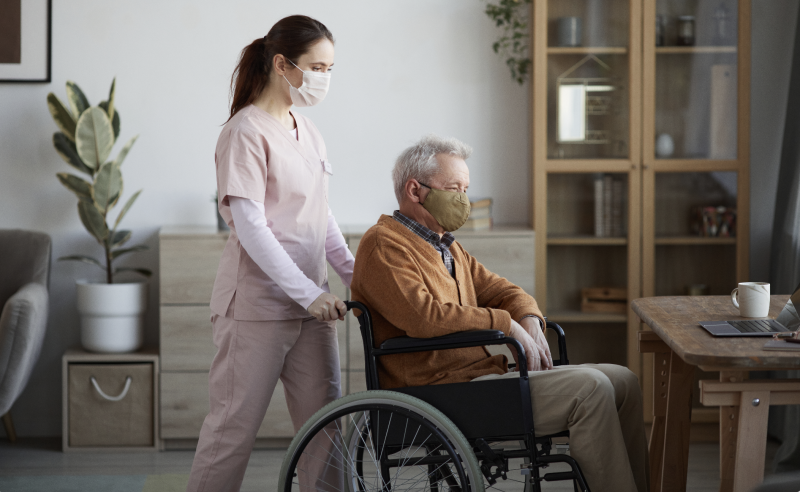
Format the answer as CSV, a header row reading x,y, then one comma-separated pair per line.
x,y
440,243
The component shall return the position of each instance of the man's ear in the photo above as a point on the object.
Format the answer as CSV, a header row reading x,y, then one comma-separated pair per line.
x,y
413,190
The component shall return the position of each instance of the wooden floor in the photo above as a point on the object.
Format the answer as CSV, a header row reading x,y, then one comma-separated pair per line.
x,y
37,457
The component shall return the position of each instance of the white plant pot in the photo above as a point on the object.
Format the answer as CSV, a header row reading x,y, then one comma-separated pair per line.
x,y
112,315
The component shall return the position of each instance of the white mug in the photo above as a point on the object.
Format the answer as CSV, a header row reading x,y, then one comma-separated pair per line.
x,y
752,299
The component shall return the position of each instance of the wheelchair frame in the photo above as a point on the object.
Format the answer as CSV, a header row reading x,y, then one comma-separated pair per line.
x,y
504,413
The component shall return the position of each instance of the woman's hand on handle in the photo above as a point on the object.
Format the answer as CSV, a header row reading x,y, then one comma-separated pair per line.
x,y
327,307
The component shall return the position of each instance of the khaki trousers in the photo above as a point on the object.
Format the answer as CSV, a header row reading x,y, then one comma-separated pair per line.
x,y
251,357
601,406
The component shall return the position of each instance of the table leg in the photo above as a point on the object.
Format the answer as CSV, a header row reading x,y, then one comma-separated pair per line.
x,y
751,445
660,384
678,424
728,429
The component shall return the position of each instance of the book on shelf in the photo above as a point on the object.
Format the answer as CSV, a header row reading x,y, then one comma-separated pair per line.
x,y
480,215
477,224
608,182
480,202
609,205
617,190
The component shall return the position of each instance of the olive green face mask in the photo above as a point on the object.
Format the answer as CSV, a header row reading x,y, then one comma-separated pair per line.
x,y
449,208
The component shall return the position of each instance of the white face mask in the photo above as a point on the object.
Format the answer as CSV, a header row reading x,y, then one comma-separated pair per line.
x,y
314,88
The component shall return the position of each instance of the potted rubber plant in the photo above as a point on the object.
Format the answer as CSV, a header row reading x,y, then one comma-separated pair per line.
x,y
112,313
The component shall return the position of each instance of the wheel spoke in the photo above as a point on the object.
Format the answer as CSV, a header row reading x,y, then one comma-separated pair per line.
x,y
400,468
354,443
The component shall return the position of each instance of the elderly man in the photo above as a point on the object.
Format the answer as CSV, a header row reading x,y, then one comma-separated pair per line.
x,y
418,281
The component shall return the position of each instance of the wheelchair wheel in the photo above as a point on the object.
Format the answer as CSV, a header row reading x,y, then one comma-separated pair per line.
x,y
380,441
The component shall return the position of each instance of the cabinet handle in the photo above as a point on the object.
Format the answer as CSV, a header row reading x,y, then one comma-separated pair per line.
x,y
112,398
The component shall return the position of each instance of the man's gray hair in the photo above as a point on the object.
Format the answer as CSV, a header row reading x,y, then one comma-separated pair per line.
x,y
419,161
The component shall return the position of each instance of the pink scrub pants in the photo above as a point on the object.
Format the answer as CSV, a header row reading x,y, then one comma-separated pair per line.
x,y
251,356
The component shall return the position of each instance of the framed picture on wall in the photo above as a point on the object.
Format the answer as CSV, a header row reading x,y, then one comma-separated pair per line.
x,y
25,40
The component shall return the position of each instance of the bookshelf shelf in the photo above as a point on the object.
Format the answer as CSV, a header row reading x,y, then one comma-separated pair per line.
x,y
587,50
586,241
581,317
695,50
694,240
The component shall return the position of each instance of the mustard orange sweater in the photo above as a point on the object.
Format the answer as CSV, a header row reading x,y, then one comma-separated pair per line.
x,y
408,290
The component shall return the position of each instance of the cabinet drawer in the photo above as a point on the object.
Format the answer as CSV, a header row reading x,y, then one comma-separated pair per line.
x,y
184,406
510,257
98,421
186,341
188,268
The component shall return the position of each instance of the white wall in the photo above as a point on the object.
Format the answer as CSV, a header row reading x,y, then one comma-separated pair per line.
x,y
403,69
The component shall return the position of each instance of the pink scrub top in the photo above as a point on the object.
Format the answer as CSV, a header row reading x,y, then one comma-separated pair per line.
x,y
259,159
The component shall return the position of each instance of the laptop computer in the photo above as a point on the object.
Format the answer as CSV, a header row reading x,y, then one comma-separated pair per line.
x,y
787,320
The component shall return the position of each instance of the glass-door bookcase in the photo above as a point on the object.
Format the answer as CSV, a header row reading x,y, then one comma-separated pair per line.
x,y
586,122
640,127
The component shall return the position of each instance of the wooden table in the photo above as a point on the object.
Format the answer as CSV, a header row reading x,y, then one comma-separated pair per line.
x,y
679,344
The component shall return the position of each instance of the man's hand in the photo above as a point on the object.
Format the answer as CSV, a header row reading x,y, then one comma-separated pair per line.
x,y
531,324
532,353
327,307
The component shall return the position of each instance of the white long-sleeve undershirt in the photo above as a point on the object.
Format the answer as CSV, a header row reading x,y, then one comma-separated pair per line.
x,y
260,243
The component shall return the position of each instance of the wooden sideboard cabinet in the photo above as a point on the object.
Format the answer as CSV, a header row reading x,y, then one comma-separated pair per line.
x,y
189,257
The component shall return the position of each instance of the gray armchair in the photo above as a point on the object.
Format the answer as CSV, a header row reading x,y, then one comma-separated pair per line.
x,y
24,279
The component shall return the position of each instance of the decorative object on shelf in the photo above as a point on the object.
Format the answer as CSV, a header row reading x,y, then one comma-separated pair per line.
x,y
722,109
665,146
480,215
222,226
609,204
604,300
697,290
512,17
660,27
686,30
582,97
723,28
570,31
25,41
714,221
111,314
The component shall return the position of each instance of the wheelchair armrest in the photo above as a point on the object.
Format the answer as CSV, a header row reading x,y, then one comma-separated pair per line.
x,y
562,343
476,338
446,340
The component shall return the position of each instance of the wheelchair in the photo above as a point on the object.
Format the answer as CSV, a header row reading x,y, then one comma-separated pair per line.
x,y
448,437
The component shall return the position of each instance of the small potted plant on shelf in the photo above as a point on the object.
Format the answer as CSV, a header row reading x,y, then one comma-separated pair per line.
x,y
112,314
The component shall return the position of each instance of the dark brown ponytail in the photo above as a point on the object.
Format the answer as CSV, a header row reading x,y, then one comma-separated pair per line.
x,y
291,37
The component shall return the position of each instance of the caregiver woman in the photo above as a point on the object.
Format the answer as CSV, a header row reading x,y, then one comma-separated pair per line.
x,y
272,314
